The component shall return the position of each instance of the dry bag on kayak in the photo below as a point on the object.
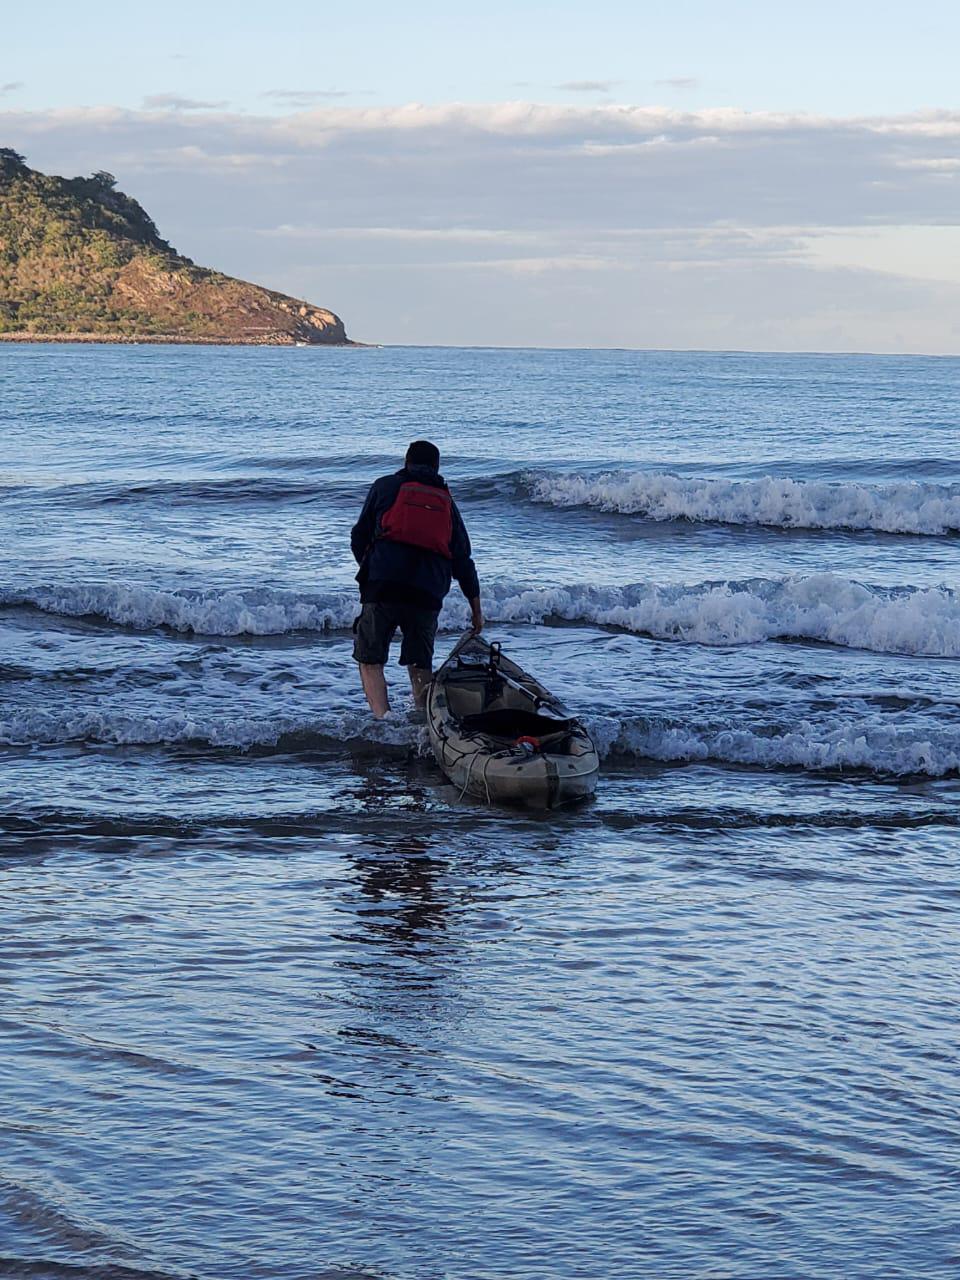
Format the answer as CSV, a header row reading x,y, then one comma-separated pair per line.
x,y
421,516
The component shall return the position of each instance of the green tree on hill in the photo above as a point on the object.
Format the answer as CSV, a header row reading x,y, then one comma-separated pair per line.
x,y
77,255
11,162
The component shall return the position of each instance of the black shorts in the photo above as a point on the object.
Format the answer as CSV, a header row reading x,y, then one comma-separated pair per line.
x,y
377,625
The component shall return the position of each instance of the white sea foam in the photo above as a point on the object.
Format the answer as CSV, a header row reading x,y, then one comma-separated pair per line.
x,y
122,728
907,507
821,607
256,612
864,745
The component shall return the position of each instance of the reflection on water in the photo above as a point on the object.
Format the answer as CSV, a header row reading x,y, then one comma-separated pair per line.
x,y
402,881
276,1002
464,1049
396,980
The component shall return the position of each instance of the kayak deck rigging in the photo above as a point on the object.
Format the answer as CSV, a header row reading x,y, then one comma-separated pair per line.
x,y
500,736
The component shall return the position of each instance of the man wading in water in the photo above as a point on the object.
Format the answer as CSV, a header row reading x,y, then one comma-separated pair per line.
x,y
409,543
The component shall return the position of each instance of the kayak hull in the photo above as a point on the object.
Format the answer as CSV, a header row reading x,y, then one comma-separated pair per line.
x,y
501,737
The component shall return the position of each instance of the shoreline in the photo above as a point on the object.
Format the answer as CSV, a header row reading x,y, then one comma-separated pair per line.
x,y
167,339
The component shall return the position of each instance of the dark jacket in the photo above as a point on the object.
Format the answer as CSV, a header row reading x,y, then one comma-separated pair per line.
x,y
398,572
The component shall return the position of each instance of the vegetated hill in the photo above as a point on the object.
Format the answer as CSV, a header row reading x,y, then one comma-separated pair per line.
x,y
80,259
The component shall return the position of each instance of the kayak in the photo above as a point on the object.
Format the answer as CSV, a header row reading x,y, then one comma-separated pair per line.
x,y
500,736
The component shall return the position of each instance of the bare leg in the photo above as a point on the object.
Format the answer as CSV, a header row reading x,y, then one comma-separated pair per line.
x,y
420,678
375,688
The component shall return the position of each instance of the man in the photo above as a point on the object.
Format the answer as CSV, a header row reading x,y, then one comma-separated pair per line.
x,y
409,542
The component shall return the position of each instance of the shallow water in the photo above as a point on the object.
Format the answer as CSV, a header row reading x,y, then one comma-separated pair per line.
x,y
277,1003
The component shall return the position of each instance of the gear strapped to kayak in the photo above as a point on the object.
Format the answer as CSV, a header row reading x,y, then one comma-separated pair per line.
x,y
421,516
500,736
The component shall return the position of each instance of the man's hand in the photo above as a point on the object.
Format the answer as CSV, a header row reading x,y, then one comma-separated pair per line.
x,y
476,620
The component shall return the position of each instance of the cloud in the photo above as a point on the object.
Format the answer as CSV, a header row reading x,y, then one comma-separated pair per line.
x,y
658,226
468,235
173,102
310,97
524,165
11,86
924,253
587,86
945,165
679,82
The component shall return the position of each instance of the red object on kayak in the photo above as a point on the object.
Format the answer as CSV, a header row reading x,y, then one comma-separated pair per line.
x,y
527,741
421,516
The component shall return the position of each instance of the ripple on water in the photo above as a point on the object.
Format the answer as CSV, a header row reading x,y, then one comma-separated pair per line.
x,y
301,1042
277,1003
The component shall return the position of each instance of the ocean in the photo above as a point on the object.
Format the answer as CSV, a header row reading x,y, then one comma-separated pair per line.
x,y
277,1003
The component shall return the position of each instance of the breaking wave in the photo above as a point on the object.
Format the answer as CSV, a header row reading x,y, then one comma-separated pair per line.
x,y
867,746
823,608
119,728
909,507
863,745
254,612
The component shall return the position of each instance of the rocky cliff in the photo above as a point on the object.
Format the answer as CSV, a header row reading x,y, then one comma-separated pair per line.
x,y
81,260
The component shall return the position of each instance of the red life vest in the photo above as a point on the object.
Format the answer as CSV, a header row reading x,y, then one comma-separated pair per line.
x,y
421,516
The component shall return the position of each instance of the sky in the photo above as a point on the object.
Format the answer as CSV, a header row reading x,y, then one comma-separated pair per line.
x,y
765,176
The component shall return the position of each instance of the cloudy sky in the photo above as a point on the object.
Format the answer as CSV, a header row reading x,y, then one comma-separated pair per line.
x,y
694,174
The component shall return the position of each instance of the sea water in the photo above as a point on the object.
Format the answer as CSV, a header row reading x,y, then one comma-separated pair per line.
x,y
276,1002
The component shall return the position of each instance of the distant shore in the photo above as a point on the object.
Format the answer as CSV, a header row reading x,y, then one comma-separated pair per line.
x,y
168,339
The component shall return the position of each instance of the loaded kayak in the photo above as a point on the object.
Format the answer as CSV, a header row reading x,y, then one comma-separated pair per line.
x,y
500,736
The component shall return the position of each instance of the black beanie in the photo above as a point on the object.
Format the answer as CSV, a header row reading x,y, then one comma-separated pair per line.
x,y
423,454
